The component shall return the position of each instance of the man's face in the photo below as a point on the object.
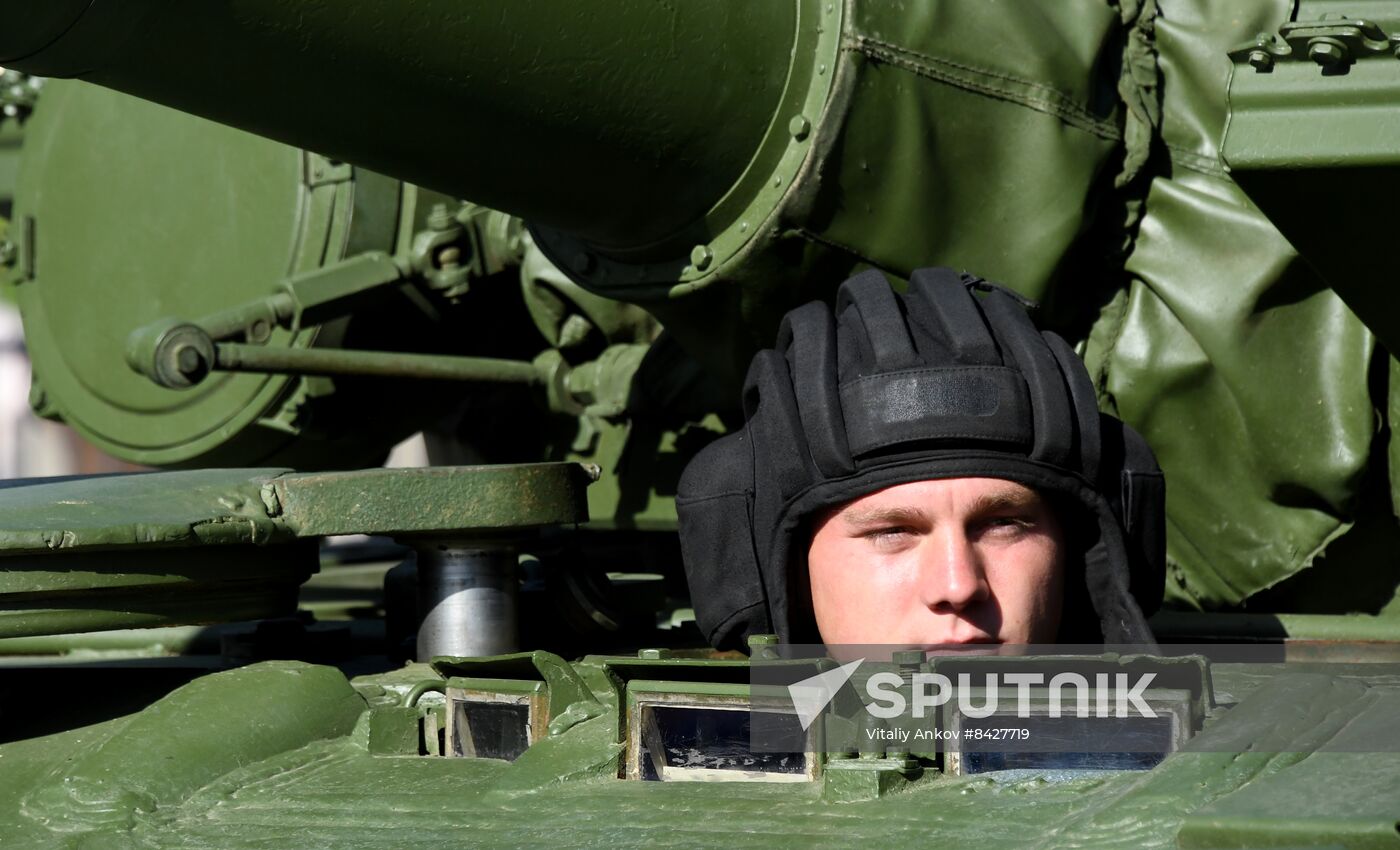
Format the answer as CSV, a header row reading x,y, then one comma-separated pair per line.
x,y
963,560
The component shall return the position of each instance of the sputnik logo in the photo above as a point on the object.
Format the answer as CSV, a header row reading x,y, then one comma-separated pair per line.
x,y
813,694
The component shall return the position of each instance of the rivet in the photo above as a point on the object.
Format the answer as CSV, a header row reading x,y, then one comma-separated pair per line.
x,y
821,69
701,256
743,227
583,263
799,127
1260,60
777,181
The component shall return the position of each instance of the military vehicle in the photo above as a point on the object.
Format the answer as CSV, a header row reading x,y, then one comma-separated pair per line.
x,y
257,244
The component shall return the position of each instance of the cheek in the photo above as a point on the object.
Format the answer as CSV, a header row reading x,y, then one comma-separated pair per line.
x,y
853,588
1027,581
836,573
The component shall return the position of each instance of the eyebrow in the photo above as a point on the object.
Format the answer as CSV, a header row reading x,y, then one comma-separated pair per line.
x,y
1004,500
987,503
878,516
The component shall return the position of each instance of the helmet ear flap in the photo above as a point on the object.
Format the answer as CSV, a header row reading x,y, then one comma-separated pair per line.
x,y
1139,498
714,507
717,506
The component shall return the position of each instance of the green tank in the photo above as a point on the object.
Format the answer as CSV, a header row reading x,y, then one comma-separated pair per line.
x,y
255,245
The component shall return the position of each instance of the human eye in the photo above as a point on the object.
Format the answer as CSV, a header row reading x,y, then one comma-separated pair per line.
x,y
889,538
1008,525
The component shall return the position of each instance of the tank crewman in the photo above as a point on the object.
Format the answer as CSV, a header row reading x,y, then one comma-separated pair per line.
x,y
923,469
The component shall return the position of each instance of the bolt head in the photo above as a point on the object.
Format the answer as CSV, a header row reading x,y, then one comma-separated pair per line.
x,y
449,256
1326,53
701,256
1260,60
908,657
187,360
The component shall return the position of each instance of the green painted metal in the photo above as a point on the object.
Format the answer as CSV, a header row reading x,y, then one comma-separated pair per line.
x,y
1314,113
317,772
205,507
157,759
236,357
114,552
750,207
228,545
444,501
18,93
158,349
76,340
245,220
673,123
1314,627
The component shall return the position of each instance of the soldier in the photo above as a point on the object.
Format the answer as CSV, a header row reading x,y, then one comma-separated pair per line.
x,y
923,469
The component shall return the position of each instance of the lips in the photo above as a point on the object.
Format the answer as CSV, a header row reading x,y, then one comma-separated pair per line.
x,y
970,646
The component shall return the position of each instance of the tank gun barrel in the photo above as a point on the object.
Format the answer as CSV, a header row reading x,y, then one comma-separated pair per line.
x,y
548,109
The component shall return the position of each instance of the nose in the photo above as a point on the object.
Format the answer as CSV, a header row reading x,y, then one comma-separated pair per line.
x,y
951,574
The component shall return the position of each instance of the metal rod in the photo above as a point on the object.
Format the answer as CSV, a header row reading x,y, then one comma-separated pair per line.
x,y
467,594
237,357
274,310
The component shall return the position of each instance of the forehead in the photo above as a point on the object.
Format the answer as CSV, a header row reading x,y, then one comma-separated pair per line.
x,y
950,495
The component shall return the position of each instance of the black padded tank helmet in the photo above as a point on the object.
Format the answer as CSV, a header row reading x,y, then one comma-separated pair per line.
x,y
949,380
